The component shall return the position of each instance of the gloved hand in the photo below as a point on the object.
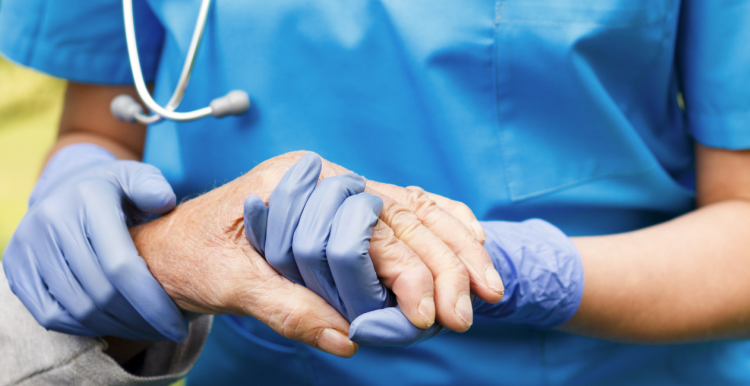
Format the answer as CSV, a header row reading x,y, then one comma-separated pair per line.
x,y
72,261
543,276
539,264
319,236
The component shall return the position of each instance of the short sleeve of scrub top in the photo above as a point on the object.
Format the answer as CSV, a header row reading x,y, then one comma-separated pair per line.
x,y
82,41
714,64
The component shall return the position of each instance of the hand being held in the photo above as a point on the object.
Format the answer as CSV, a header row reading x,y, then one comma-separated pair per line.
x,y
319,236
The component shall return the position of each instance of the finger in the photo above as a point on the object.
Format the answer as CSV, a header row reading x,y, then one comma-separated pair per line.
x,y
461,212
256,217
123,266
312,235
285,206
64,287
146,187
85,267
26,283
297,313
452,287
401,270
389,327
358,286
457,209
485,280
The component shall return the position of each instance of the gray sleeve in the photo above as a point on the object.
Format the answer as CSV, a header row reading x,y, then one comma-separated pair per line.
x,y
32,355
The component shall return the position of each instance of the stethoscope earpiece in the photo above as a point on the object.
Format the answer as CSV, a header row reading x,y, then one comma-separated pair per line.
x,y
235,102
125,108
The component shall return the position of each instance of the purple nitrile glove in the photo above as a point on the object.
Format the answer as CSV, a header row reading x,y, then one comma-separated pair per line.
x,y
543,276
72,261
321,240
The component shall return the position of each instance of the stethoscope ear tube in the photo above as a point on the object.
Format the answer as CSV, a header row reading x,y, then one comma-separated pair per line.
x,y
125,108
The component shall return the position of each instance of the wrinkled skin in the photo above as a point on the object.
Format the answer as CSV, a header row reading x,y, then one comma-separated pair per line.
x,y
200,255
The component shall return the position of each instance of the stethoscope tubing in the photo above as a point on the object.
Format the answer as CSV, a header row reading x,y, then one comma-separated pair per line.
x,y
140,85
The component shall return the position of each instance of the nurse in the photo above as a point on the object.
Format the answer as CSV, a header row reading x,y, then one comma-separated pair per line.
x,y
563,111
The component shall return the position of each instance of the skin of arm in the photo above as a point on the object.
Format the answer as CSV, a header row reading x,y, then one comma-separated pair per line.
x,y
684,280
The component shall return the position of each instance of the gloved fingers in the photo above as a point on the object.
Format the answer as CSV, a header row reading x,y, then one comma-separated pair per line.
x,y
146,187
26,283
256,217
451,280
389,327
485,280
64,287
358,285
401,270
85,267
121,263
285,206
311,235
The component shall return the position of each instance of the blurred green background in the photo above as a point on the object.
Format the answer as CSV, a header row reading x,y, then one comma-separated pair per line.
x,y
30,106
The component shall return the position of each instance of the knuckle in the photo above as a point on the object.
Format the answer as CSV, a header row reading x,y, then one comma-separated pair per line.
x,y
117,265
106,298
47,211
305,249
451,265
83,311
343,252
291,324
88,188
421,204
334,183
382,233
404,223
46,319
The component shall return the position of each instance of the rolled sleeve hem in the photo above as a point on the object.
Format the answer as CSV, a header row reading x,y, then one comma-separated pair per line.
x,y
78,67
730,131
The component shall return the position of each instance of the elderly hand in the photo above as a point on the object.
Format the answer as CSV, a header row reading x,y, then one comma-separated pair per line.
x,y
319,236
445,235
199,256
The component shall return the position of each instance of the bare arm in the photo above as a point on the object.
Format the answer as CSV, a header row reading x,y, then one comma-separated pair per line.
x,y
681,281
86,118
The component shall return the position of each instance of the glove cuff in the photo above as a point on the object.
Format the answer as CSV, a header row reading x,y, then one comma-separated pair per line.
x,y
67,160
542,272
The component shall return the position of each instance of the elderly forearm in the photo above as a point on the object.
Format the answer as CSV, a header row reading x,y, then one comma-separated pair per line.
x,y
681,281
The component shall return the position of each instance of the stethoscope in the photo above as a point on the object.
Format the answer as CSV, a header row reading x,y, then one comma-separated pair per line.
x,y
125,108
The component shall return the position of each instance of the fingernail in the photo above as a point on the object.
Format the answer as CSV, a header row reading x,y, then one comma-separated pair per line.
x,y
464,310
336,343
478,230
493,280
427,310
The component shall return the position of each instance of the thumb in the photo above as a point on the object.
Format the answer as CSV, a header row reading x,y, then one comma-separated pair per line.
x,y
297,313
256,216
146,187
388,327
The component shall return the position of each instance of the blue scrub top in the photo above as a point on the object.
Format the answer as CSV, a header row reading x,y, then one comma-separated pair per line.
x,y
566,110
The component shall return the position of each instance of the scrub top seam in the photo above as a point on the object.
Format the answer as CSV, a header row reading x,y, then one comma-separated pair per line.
x,y
627,108
499,4
582,180
636,24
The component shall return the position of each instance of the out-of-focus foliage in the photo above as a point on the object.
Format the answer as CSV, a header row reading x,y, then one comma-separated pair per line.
x,y
30,106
